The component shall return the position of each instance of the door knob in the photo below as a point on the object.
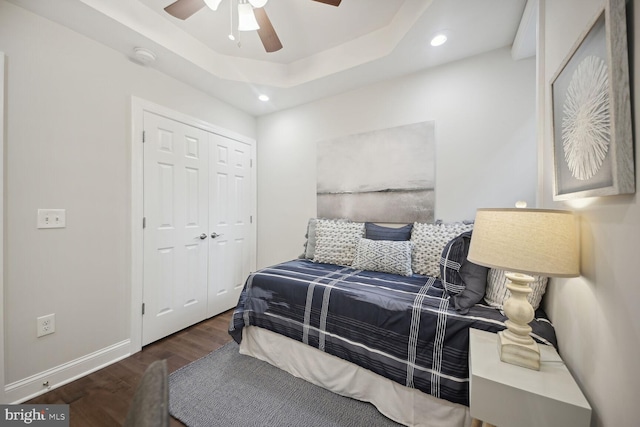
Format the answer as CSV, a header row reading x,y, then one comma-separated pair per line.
x,y
214,235
203,236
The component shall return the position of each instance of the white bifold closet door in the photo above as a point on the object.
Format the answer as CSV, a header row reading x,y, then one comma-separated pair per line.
x,y
198,246
232,249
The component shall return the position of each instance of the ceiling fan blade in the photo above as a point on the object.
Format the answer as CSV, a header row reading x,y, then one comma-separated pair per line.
x,y
331,2
267,34
182,9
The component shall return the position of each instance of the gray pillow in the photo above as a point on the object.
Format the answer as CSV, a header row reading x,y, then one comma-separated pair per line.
x,y
462,279
475,279
310,246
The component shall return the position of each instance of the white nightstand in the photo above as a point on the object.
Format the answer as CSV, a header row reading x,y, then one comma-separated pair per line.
x,y
508,395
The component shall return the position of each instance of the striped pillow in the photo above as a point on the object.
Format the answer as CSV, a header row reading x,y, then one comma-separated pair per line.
x,y
497,292
454,255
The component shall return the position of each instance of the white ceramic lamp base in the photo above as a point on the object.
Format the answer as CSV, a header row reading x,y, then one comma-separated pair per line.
x,y
515,344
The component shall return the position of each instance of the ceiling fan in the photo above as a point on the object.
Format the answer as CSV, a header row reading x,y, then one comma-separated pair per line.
x,y
182,9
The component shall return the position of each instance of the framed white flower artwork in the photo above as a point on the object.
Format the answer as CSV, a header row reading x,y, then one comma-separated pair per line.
x,y
592,133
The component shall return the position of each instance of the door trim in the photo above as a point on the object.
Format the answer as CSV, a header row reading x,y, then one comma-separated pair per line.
x,y
138,107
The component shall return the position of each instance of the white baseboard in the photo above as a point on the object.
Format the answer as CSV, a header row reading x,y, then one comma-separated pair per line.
x,y
30,387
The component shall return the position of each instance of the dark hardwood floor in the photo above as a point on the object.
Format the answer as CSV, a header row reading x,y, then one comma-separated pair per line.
x,y
102,399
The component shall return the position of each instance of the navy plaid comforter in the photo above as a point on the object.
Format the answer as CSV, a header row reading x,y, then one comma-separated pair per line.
x,y
402,328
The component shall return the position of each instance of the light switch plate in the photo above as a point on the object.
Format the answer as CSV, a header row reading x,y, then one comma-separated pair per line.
x,y
52,218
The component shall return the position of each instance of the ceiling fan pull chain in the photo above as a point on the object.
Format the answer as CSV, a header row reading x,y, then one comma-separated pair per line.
x,y
232,37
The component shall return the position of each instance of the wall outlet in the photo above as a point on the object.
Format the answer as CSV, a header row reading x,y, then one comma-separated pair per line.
x,y
52,218
46,324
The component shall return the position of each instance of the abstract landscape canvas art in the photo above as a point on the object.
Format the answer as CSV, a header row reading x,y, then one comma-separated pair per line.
x,y
385,175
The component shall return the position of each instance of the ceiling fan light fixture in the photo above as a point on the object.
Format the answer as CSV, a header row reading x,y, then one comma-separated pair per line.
x,y
258,3
212,4
246,18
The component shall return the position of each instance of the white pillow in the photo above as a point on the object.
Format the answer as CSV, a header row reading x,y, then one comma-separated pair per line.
x,y
384,255
310,244
336,241
428,242
497,292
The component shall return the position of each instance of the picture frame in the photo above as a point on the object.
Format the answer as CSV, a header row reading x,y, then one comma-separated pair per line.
x,y
591,112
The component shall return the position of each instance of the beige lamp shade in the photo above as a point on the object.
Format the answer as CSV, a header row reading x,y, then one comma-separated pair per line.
x,y
531,241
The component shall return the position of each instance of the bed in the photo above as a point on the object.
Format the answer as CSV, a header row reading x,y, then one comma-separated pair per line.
x,y
397,340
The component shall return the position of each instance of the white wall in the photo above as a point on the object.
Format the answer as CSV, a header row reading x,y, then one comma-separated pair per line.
x,y
596,315
68,146
484,112
2,85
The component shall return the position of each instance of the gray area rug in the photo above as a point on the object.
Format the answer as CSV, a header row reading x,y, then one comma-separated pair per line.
x,y
226,388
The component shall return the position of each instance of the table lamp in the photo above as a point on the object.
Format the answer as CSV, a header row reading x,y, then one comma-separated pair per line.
x,y
524,242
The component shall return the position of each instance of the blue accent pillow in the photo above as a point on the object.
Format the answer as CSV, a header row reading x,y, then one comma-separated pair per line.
x,y
462,279
377,232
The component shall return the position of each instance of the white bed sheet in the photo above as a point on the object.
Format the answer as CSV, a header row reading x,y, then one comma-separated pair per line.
x,y
402,404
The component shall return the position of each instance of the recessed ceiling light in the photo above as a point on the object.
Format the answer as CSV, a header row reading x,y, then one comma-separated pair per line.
x,y
263,98
438,40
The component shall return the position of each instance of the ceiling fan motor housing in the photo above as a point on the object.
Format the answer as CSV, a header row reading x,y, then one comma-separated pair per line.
x,y
183,9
